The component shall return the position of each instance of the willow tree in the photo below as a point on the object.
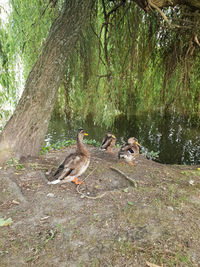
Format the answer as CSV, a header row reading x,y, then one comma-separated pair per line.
x,y
25,131
137,61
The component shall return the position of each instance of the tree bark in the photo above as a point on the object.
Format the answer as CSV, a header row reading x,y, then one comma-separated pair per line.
x,y
24,133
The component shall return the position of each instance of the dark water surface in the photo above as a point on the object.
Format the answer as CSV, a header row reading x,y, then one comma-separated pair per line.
x,y
175,137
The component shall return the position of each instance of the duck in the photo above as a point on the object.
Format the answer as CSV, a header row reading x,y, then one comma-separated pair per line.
x,y
108,142
75,164
129,151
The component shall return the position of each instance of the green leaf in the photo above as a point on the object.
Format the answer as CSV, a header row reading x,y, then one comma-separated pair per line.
x,y
126,190
5,222
131,203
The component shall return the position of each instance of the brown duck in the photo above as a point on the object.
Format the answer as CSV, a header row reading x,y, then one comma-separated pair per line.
x,y
129,151
74,164
108,142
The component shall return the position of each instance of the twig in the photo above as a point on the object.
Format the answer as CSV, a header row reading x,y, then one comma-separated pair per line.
x,y
83,195
125,176
162,14
196,40
160,11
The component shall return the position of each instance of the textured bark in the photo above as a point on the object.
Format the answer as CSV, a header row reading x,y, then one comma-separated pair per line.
x,y
166,3
25,131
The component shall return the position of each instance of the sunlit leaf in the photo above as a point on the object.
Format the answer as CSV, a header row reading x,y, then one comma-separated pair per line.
x,y
131,203
5,222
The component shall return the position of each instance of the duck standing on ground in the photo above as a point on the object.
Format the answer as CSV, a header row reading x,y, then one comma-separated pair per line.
x,y
74,164
129,151
108,142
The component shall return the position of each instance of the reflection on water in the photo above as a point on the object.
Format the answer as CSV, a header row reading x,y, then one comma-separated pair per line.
x,y
176,137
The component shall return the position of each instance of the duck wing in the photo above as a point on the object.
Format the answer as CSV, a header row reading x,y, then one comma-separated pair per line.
x,y
125,150
126,147
106,142
70,165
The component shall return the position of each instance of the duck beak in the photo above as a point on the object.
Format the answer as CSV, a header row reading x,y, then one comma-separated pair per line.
x,y
85,134
138,144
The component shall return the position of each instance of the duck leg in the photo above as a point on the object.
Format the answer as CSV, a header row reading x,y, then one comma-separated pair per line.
x,y
76,181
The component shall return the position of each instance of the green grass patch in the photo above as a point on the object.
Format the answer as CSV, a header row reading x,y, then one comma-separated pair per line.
x,y
62,144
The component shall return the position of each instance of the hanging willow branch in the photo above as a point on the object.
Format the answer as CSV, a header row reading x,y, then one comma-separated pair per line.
x,y
196,40
151,4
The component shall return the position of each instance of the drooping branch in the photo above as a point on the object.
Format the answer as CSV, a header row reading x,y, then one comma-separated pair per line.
x,y
107,23
167,3
196,40
151,3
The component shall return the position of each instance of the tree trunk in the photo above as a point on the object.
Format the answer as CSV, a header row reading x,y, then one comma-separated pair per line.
x,y
24,133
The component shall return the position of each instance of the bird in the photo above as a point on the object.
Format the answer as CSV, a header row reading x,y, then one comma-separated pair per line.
x,y
108,142
129,151
75,164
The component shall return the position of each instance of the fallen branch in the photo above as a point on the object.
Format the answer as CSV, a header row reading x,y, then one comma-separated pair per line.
x,y
125,176
83,195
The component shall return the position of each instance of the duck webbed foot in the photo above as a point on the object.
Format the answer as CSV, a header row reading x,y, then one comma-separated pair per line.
x,y
76,181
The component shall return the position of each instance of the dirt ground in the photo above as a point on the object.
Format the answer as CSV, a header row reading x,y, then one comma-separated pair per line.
x,y
106,221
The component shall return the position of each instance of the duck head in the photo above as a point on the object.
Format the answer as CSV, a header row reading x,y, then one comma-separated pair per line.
x,y
110,135
132,141
80,134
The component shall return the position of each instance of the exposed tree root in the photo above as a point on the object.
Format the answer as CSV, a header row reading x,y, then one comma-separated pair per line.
x,y
125,176
15,189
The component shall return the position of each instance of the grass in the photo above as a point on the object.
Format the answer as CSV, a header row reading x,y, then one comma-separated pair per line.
x,y
155,254
15,163
45,237
62,144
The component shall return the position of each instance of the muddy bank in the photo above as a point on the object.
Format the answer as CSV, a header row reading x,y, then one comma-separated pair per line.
x,y
107,221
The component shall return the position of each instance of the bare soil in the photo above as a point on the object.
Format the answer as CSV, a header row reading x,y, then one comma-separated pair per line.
x,y
106,221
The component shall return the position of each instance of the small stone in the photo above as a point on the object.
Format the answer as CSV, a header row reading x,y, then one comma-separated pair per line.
x,y
170,208
50,195
15,202
191,182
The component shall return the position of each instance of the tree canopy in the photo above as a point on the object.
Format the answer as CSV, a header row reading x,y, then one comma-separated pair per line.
x,y
131,56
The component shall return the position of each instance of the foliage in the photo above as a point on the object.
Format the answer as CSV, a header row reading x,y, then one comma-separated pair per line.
x,y
15,163
130,62
21,40
150,154
5,222
61,144
125,62
58,145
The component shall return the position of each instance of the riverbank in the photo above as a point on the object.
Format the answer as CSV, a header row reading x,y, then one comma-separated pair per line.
x,y
107,221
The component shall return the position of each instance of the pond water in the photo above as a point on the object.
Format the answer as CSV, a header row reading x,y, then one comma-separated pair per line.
x,y
174,138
